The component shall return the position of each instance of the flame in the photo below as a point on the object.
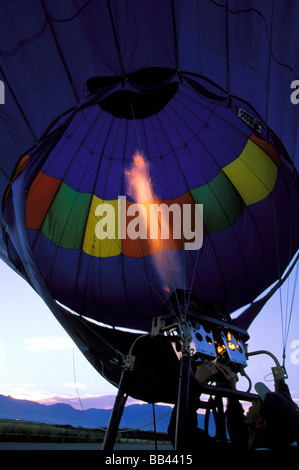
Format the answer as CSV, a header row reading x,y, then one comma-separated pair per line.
x,y
221,348
140,188
231,345
139,182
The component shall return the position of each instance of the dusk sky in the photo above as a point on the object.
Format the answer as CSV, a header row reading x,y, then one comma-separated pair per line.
x,y
38,361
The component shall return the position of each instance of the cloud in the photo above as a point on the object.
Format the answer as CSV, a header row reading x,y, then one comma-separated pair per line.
x,y
86,402
1,352
74,385
23,391
42,393
49,343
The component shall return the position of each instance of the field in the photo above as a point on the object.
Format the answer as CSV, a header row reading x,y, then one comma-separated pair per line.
x,y
27,431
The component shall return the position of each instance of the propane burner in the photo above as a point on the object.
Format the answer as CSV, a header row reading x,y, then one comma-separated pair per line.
x,y
204,331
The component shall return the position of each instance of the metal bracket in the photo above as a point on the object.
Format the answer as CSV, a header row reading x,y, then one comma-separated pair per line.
x,y
158,324
279,373
129,362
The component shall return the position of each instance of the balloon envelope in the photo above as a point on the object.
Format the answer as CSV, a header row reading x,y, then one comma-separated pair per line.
x,y
202,92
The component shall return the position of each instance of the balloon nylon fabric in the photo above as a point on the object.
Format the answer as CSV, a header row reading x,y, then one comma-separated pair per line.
x,y
199,151
48,50
195,145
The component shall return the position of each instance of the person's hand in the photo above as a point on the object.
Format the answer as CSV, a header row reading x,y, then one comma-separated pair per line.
x,y
205,371
229,377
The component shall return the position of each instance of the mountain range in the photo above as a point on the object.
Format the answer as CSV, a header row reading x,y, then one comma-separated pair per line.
x,y
134,416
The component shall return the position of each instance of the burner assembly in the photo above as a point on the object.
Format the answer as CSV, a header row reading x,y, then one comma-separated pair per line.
x,y
203,332
195,333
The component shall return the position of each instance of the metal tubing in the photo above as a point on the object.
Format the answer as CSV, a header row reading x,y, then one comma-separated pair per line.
x,y
116,414
279,372
183,402
263,351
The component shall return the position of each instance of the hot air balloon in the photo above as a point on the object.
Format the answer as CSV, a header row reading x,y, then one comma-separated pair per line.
x,y
110,109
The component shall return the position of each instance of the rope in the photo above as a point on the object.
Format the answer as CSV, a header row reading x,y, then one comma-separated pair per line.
x,y
78,396
154,420
147,424
286,329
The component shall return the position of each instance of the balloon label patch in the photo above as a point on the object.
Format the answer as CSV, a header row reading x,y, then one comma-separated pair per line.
x,y
249,120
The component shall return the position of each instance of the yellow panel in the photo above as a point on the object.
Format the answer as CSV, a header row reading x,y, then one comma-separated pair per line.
x,y
102,221
253,173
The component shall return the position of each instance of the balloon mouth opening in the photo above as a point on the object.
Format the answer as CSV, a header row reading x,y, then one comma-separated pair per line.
x,y
182,301
153,88
130,105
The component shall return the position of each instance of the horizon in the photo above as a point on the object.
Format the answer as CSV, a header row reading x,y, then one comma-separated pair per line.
x,y
102,402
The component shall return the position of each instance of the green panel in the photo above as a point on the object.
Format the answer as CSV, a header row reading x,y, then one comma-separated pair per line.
x,y
66,219
222,204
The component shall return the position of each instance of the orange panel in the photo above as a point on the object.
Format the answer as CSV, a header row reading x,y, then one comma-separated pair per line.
x,y
39,199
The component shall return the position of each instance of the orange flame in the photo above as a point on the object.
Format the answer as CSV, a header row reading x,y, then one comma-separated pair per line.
x,y
140,188
138,176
